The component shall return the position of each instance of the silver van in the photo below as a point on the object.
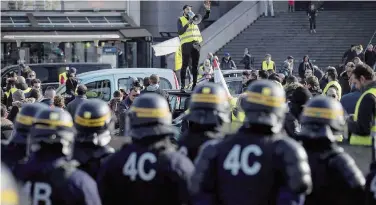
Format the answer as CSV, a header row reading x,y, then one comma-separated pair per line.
x,y
104,82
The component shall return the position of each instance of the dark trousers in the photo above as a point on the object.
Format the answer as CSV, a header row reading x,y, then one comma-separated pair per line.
x,y
312,24
190,50
291,8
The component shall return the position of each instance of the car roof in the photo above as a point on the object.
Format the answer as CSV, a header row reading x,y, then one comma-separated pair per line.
x,y
233,71
116,71
233,79
47,64
178,92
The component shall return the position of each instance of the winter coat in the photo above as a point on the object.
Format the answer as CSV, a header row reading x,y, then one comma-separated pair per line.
x,y
16,106
227,64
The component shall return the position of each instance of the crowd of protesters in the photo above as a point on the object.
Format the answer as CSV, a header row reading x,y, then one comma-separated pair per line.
x,y
26,88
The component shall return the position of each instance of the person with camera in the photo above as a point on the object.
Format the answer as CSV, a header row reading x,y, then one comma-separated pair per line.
x,y
190,39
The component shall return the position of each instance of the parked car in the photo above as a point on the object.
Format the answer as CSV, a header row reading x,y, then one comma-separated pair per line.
x,y
102,83
232,73
48,73
235,85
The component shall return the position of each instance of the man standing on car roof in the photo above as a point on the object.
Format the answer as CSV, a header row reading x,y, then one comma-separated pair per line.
x,y
190,40
208,111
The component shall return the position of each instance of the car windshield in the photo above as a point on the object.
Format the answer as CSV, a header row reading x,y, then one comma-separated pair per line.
x,y
235,87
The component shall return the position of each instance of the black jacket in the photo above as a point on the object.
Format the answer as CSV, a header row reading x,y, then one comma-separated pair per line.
x,y
370,58
292,124
344,82
366,114
72,106
303,68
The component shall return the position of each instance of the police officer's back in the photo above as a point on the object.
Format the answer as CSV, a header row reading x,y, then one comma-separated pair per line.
x,y
147,170
208,111
371,177
15,152
371,186
93,123
257,165
49,176
336,178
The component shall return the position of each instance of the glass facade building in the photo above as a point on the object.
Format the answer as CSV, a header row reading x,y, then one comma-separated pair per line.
x,y
55,31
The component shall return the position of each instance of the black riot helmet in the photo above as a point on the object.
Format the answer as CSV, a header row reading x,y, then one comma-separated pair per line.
x,y
93,122
150,115
322,118
51,127
264,104
10,194
24,121
209,105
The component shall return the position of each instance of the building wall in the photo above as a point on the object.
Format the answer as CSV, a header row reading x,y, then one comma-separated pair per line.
x,y
64,5
161,16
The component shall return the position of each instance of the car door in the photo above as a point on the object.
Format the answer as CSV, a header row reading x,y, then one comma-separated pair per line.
x,y
100,88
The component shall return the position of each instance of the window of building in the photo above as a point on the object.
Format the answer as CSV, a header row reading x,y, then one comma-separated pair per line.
x,y
99,89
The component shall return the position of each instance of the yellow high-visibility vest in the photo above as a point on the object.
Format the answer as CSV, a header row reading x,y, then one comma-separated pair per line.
x,y
63,78
199,76
358,139
27,90
269,66
191,34
178,59
10,91
337,85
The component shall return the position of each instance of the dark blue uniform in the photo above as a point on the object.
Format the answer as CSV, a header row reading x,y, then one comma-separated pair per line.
x,y
336,178
371,186
13,154
191,141
54,181
251,169
139,175
91,157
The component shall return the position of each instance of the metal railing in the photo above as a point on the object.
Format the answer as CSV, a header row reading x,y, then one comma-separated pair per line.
x,y
369,42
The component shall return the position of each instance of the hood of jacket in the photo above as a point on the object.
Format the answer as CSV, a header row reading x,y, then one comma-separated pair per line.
x,y
152,87
26,101
371,85
6,124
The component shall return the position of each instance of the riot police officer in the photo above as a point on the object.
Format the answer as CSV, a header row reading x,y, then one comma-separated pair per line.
x,y
15,152
208,111
93,123
148,169
258,164
371,185
49,176
336,178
